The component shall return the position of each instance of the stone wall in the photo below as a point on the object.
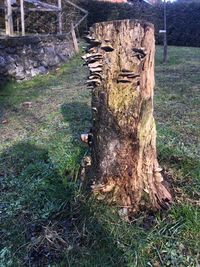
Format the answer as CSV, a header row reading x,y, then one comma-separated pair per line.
x,y
22,58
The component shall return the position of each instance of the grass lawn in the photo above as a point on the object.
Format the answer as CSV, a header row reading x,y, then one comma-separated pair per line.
x,y
47,219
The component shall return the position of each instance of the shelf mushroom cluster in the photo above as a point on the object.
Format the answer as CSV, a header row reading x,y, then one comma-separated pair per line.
x,y
93,61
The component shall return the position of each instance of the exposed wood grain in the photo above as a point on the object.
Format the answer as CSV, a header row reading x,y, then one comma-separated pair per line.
x,y
124,154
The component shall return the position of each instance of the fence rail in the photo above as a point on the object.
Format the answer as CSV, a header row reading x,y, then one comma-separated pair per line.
x,y
36,17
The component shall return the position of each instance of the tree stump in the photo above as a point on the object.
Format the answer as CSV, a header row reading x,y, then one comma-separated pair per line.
x,y
120,57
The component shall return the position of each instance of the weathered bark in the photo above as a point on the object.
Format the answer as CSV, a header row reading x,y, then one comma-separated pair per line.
x,y
123,137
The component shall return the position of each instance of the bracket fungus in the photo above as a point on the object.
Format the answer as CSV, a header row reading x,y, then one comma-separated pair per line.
x,y
140,53
95,65
84,138
107,47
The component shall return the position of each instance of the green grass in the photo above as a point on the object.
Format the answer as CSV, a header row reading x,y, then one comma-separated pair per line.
x,y
48,220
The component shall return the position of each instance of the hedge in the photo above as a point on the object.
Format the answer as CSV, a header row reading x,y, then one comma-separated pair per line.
x,y
183,19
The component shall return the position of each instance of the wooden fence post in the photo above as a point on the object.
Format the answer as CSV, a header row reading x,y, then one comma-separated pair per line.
x,y
75,42
22,17
60,16
8,18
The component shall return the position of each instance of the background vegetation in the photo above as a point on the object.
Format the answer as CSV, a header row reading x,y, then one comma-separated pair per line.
x,y
183,23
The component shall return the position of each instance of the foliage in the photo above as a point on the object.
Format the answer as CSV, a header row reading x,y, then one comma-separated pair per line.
x,y
183,24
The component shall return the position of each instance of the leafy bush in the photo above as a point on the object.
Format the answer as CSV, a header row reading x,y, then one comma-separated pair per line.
x,y
183,24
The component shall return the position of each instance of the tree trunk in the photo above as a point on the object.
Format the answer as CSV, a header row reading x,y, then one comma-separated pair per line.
x,y
123,137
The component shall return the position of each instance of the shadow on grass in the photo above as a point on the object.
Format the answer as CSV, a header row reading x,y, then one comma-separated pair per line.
x,y
31,192
77,114
46,220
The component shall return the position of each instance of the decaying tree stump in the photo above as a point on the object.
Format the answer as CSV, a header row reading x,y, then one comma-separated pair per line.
x,y
120,58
